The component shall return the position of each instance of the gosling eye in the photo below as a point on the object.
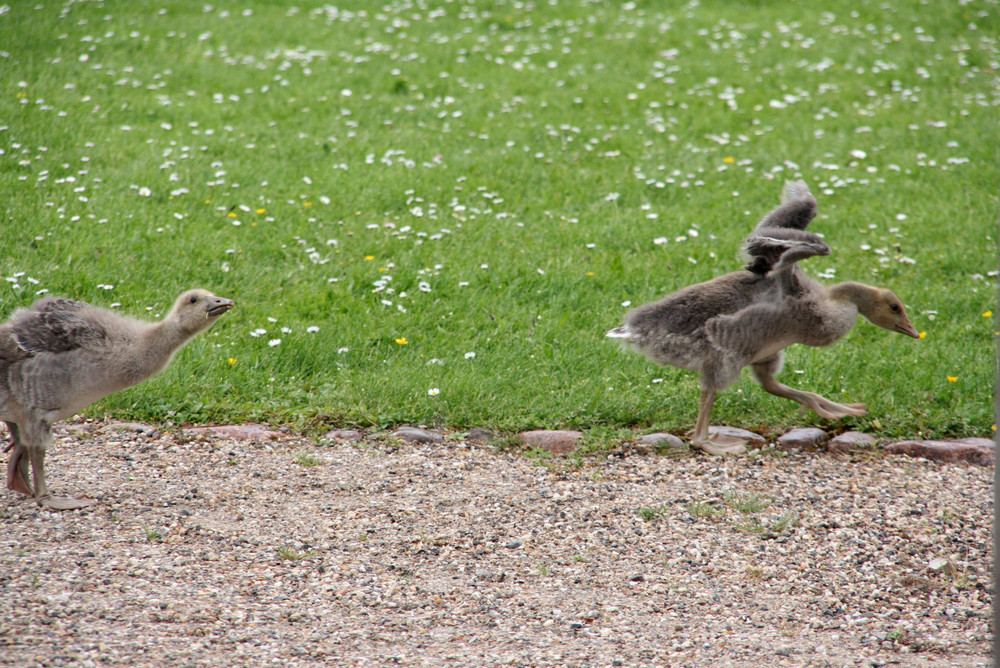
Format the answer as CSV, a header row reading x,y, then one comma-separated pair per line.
x,y
894,308
194,300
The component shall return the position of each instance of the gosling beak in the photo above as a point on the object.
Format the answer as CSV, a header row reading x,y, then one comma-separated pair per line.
x,y
906,327
217,306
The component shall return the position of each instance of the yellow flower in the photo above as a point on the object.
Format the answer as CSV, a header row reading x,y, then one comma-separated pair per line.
x,y
994,427
923,335
232,360
988,314
952,379
261,210
590,273
369,258
232,214
307,204
729,160
402,341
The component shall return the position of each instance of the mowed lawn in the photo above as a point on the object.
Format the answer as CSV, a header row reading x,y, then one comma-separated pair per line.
x,y
431,212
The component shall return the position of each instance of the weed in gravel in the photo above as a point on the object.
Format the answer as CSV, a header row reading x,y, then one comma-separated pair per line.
x,y
764,529
308,460
152,535
547,459
705,510
653,512
746,503
291,554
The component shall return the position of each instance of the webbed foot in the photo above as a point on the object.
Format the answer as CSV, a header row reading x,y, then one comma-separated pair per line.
x,y
64,502
831,410
720,444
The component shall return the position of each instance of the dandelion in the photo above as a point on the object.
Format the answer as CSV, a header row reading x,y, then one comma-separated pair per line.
x,y
369,258
274,342
988,314
261,211
232,360
433,392
952,379
729,160
402,341
923,335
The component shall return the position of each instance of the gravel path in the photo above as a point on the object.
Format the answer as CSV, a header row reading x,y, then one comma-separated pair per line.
x,y
216,552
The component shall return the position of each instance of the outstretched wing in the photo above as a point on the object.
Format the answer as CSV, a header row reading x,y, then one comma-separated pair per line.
x,y
780,239
772,249
55,325
798,207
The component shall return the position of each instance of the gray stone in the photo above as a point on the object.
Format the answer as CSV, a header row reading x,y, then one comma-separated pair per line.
x,y
556,441
238,432
480,435
803,438
848,441
348,435
971,450
417,435
661,439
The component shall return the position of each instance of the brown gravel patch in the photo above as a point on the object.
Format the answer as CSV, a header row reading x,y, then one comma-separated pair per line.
x,y
217,552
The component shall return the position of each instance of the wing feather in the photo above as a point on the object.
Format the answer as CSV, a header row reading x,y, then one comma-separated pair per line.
x,y
56,325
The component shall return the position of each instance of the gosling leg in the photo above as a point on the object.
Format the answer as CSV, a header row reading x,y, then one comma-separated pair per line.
x,y
714,444
40,437
818,404
17,465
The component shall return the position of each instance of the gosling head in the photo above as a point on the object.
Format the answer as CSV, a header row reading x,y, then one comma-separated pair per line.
x,y
888,313
197,310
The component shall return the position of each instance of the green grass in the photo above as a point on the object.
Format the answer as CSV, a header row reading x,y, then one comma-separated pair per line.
x,y
509,169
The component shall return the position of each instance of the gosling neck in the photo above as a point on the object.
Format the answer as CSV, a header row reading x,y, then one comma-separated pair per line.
x,y
162,339
861,295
